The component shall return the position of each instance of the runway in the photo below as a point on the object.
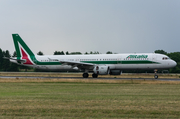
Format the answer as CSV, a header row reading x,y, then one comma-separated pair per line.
x,y
35,77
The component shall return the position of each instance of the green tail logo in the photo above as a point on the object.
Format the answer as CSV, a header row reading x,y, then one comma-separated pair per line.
x,y
22,50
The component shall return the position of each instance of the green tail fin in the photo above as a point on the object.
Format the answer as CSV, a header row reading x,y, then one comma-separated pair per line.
x,y
19,43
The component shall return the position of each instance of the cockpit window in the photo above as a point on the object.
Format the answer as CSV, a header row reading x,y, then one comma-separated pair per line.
x,y
165,58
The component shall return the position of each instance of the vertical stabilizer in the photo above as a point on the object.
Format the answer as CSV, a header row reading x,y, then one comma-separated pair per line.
x,y
22,50
19,43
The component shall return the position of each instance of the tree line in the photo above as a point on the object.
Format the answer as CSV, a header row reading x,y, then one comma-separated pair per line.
x,y
6,65
73,53
174,56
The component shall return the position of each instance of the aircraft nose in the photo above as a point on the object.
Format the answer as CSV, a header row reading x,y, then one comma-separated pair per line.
x,y
173,63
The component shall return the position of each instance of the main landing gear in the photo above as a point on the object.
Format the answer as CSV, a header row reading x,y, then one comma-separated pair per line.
x,y
86,75
94,75
155,76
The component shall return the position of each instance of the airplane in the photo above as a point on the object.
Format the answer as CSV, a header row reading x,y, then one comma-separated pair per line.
x,y
99,64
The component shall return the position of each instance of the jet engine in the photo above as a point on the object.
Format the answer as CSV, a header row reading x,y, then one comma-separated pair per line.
x,y
101,70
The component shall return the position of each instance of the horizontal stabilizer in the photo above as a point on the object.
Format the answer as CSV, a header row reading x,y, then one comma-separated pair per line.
x,y
18,60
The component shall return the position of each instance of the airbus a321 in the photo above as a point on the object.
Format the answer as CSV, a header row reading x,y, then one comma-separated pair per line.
x,y
99,64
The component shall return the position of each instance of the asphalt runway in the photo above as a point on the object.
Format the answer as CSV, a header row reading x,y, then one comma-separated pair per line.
x,y
161,79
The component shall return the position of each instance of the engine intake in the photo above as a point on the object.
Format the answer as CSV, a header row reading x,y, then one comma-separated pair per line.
x,y
101,70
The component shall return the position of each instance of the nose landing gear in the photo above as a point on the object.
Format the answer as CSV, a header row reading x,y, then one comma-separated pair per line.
x,y
155,75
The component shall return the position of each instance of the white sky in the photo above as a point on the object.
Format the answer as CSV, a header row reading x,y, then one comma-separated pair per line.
x,y
120,26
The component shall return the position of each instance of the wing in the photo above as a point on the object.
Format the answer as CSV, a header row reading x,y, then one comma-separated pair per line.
x,y
80,65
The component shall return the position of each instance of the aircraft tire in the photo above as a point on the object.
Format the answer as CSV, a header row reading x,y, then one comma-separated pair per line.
x,y
156,76
94,75
85,75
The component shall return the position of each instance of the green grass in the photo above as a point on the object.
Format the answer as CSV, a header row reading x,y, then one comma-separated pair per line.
x,y
89,100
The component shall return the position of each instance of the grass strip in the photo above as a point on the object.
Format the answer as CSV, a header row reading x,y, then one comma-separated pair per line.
x,y
70,98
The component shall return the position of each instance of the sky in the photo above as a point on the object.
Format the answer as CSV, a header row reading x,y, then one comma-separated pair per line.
x,y
120,26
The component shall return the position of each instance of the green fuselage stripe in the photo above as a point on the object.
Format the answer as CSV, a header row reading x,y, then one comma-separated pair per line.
x,y
122,62
99,62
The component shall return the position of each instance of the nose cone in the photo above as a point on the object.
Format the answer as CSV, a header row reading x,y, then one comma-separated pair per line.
x,y
173,63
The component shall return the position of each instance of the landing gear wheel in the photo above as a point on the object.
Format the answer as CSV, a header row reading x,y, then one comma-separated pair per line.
x,y
94,75
85,75
156,76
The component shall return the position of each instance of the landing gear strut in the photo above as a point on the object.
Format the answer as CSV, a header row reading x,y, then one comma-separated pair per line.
x,y
94,75
85,75
155,76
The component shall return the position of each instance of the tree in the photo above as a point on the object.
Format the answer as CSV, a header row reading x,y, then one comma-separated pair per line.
x,y
58,53
14,54
109,52
6,62
1,59
160,52
86,53
176,57
13,66
95,52
40,53
75,53
91,52
175,69
67,53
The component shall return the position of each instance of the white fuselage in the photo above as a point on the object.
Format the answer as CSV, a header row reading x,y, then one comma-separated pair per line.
x,y
113,61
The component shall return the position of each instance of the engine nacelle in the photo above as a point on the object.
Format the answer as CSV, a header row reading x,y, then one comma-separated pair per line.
x,y
115,72
101,70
